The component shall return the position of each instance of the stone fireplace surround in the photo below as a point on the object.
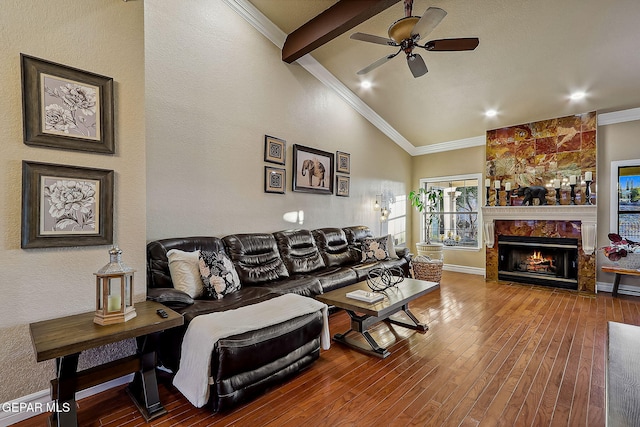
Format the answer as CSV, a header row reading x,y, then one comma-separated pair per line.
x,y
574,221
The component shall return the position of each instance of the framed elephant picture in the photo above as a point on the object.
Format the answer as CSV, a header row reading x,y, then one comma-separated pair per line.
x,y
312,170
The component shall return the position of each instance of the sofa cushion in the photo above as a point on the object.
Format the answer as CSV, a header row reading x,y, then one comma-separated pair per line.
x,y
356,234
256,258
307,286
336,277
299,251
374,249
334,247
185,272
158,273
218,274
170,297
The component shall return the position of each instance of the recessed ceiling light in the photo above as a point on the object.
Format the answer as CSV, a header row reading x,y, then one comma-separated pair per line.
x,y
365,84
575,96
490,113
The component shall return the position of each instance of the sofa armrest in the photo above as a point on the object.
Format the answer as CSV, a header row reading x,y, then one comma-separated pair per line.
x,y
169,296
404,253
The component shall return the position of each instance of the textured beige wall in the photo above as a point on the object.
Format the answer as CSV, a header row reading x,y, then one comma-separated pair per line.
x,y
456,162
105,37
215,87
615,142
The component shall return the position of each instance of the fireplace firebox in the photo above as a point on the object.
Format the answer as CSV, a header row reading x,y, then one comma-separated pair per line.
x,y
548,261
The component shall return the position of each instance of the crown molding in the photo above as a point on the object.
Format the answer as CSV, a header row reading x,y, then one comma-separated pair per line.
x,y
257,20
621,116
316,69
440,147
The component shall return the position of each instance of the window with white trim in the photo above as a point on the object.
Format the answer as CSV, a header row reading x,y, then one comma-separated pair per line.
x,y
397,221
456,221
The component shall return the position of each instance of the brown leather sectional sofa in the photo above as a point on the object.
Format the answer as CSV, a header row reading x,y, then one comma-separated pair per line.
x,y
305,262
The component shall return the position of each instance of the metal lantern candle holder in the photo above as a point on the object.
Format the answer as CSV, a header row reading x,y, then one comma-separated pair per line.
x,y
114,291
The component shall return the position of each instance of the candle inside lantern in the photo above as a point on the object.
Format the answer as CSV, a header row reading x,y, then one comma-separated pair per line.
x,y
114,303
487,183
572,180
588,176
496,184
507,186
556,183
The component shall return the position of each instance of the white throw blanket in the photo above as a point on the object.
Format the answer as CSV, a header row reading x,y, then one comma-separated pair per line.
x,y
192,378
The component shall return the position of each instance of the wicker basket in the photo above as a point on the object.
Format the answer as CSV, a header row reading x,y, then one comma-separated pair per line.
x,y
424,268
631,261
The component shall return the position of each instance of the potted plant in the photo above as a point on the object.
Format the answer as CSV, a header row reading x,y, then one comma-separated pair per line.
x,y
427,201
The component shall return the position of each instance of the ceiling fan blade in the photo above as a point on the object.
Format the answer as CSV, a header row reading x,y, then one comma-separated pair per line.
x,y
452,44
416,65
378,63
429,21
373,39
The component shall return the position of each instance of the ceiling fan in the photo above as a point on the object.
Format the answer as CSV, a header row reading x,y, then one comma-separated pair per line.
x,y
406,32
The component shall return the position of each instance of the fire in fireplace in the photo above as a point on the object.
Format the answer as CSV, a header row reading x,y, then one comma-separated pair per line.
x,y
548,261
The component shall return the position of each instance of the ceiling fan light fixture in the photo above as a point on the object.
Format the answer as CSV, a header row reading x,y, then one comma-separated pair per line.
x,y
365,84
402,28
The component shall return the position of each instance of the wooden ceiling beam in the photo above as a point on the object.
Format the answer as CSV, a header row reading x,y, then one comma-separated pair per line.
x,y
338,19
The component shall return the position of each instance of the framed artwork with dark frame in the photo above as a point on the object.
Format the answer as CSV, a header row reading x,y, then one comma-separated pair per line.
x,y
342,185
274,180
274,149
66,108
312,170
66,206
343,162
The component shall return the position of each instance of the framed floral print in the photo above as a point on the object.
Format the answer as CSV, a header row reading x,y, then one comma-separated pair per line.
x,y
274,149
66,108
66,206
312,170
342,186
274,180
343,162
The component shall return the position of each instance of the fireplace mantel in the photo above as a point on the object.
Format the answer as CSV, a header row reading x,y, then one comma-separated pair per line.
x,y
583,213
586,214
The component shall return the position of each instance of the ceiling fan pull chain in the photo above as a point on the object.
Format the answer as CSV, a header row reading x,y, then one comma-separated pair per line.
x,y
408,7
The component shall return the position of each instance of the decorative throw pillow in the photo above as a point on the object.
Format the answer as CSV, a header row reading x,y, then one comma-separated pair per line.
x,y
391,248
218,274
374,249
185,272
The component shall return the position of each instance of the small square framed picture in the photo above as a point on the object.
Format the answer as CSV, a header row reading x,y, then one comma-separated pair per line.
x,y
342,186
274,180
274,149
343,162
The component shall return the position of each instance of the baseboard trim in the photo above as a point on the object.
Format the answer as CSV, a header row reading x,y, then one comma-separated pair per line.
x,y
633,291
40,399
464,269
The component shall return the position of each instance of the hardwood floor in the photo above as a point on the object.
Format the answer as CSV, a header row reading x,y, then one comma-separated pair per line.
x,y
496,354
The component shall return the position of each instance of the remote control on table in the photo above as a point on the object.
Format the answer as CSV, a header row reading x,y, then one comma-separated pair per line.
x,y
162,313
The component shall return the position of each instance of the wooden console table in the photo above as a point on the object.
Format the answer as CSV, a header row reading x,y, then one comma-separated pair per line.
x,y
64,338
619,272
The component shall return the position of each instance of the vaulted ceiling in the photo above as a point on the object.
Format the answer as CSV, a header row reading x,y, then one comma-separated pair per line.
x,y
532,56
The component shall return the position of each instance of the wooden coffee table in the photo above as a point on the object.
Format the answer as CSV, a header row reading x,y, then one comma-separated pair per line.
x,y
396,300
